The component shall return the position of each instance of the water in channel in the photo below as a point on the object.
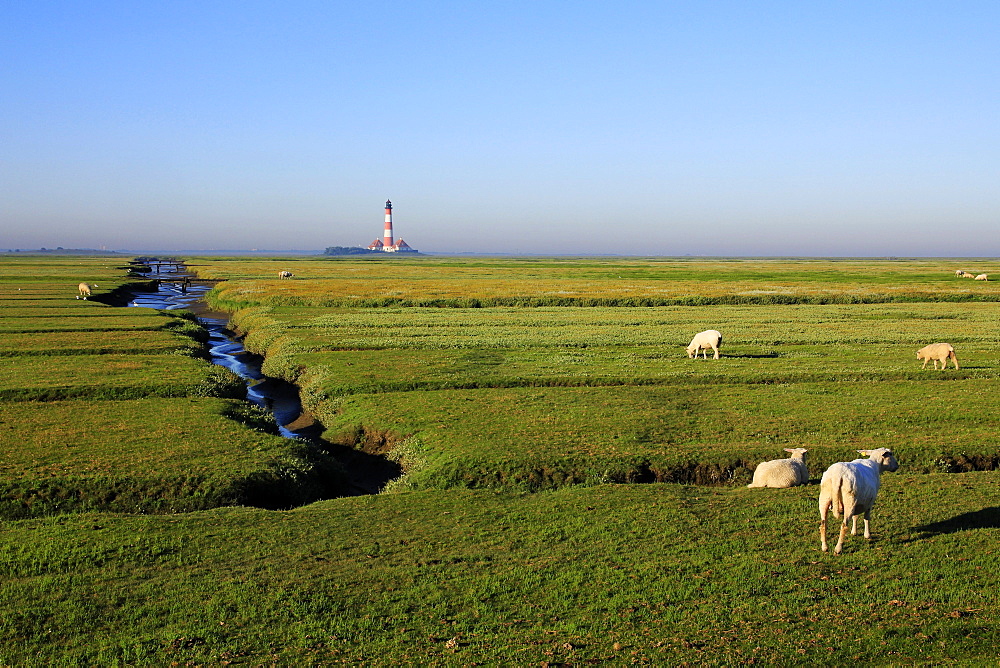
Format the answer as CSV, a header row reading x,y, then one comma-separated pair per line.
x,y
276,396
366,473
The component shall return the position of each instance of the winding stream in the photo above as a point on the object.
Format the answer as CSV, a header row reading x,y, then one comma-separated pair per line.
x,y
368,473
276,396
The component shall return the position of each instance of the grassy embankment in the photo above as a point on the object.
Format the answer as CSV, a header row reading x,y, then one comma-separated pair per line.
x,y
117,408
607,573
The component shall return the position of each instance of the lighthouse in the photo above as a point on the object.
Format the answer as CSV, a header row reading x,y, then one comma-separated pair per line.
x,y
386,244
387,237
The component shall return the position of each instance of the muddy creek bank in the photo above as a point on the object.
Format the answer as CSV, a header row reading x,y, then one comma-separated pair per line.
x,y
367,473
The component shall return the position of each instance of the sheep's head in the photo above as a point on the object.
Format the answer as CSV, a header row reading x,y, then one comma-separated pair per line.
x,y
884,457
797,453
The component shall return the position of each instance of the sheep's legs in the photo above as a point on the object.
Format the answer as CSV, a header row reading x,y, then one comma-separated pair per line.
x,y
824,508
854,525
840,542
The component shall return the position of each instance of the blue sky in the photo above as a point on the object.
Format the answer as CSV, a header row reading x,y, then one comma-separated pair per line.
x,y
645,128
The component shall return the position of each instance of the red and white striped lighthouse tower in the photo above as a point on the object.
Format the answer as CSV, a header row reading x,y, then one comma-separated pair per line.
x,y
387,237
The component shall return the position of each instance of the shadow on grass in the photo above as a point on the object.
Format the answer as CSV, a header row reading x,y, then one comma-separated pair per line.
x,y
987,518
365,473
748,356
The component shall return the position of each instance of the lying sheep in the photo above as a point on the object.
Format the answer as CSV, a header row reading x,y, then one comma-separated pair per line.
x,y
939,352
849,489
780,473
703,341
983,277
964,274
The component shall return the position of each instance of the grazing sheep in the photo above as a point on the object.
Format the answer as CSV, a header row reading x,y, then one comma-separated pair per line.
x,y
849,489
939,352
959,272
285,274
703,341
983,277
84,291
781,473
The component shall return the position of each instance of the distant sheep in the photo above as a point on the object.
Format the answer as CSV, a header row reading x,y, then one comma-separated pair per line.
x,y
939,352
703,341
983,277
964,274
84,291
849,489
781,473
285,274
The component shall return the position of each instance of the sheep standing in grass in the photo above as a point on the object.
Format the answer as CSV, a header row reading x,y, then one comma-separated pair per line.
x,y
983,277
703,341
939,352
781,473
849,489
285,274
84,291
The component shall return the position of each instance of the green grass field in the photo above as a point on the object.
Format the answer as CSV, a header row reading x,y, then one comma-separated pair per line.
x,y
657,574
108,408
587,281
527,400
588,394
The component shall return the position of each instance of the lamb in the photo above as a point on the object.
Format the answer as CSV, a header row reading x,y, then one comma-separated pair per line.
x,y
781,473
849,489
84,291
285,274
703,341
939,352
983,277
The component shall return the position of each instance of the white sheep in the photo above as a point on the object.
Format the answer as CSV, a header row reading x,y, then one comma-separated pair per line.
x,y
703,341
285,274
849,489
84,291
983,277
939,352
781,473
964,274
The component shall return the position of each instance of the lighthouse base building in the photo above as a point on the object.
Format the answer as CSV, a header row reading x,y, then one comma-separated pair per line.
x,y
386,243
398,247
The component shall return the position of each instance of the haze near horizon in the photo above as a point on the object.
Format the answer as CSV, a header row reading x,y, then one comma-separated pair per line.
x,y
642,128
